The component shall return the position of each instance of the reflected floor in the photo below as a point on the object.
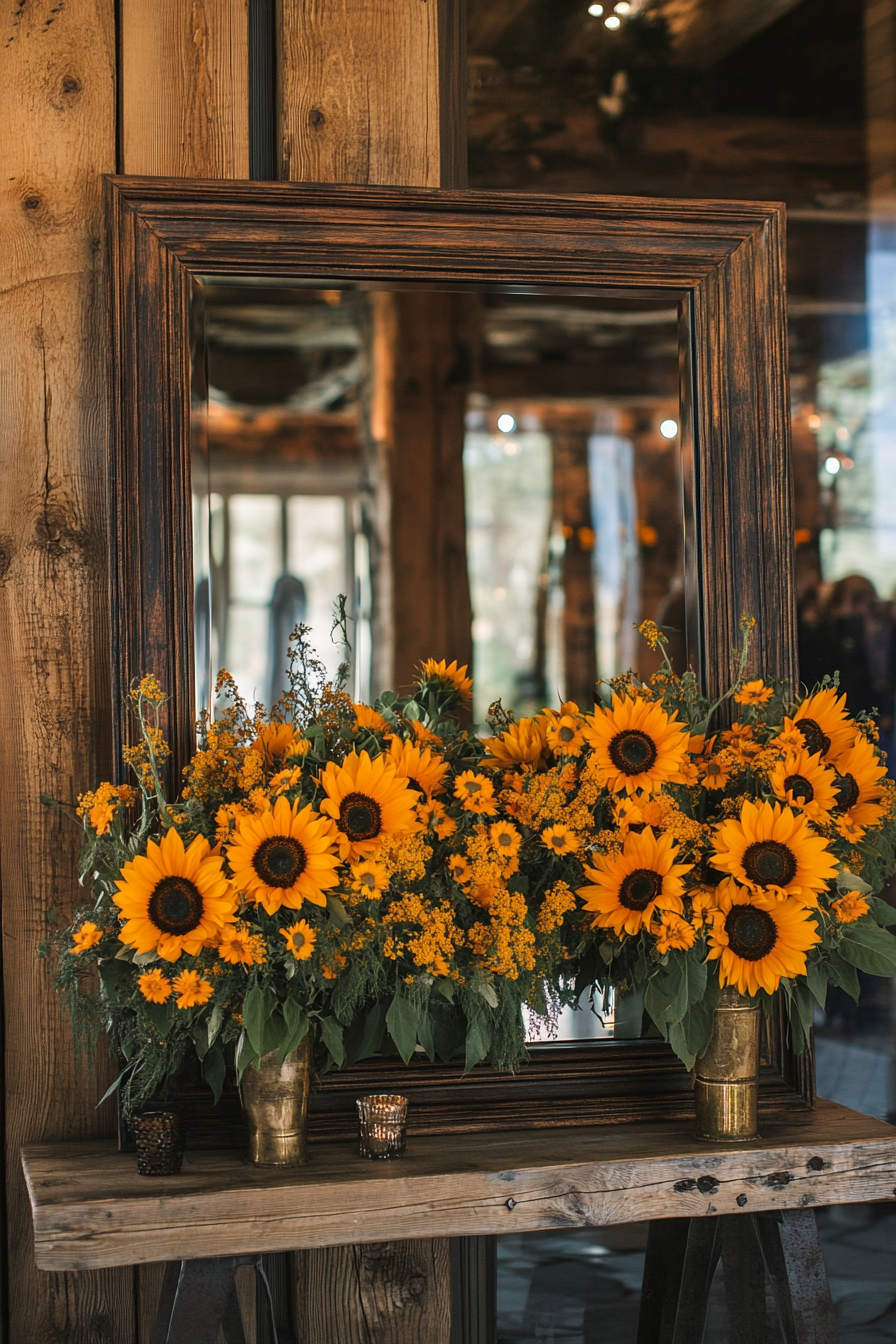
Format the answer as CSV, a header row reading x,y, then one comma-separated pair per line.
x,y
583,1287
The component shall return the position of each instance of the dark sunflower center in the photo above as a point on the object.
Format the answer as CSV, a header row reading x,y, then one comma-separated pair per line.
x,y
846,793
640,888
175,905
632,751
799,788
768,863
751,933
280,861
360,817
817,742
566,734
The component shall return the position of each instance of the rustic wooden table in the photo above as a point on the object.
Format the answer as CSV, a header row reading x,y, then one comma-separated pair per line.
x,y
92,1210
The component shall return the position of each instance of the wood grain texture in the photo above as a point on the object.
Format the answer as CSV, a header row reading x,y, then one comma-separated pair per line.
x,y
372,91
57,110
185,87
724,260
91,1209
389,1293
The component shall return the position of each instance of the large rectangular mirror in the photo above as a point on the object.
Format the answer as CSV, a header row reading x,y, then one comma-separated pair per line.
x,y
507,429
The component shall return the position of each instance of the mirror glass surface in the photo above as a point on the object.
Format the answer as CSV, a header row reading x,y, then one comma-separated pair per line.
x,y
557,421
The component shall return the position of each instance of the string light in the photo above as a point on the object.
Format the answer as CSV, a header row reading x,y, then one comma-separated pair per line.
x,y
669,428
506,424
595,11
832,465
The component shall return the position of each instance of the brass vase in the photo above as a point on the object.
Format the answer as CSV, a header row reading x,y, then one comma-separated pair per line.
x,y
275,1100
726,1081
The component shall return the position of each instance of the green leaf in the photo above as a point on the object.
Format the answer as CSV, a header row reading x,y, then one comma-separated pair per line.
x,y
296,1027
257,1008
817,981
112,1086
337,911
159,1015
215,1022
446,989
676,986
214,1071
869,947
479,1038
843,975
331,1033
401,1021
275,1034
883,913
800,1008
366,1037
678,1039
698,1021
425,1034
487,991
847,881
111,975
245,1056
447,1035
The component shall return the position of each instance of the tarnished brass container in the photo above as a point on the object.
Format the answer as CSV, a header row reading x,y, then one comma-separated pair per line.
x,y
726,1081
275,1100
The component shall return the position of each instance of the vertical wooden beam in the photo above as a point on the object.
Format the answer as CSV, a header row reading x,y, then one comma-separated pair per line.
x,y
185,88
384,1293
373,91
57,110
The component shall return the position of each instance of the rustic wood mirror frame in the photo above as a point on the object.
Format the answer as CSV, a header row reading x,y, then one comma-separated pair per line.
x,y
722,260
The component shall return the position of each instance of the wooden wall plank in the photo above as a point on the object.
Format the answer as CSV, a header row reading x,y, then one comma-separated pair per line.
x,y
396,1292
57,109
185,88
372,91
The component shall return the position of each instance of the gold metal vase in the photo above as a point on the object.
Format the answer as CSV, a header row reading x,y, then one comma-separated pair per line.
x,y
275,1101
726,1077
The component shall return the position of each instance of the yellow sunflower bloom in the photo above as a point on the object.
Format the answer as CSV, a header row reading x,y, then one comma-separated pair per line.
x,y
240,947
806,784
703,906
753,693
174,900
432,816
367,800
154,986
365,717
476,793
273,741
860,774
850,907
192,989
628,890
284,857
520,744
459,869
446,676
300,939
421,765
673,933
565,737
822,721
772,849
87,937
369,878
637,744
759,940
425,735
560,839
505,838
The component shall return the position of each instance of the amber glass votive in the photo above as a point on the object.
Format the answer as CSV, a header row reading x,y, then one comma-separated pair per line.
x,y
382,1123
160,1144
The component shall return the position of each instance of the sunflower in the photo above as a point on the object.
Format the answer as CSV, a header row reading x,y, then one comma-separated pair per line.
x,y
432,816
284,857
859,776
753,693
174,900
367,800
87,937
850,907
273,741
300,939
446,677
476,793
365,717
240,947
673,933
565,737
505,838
421,765
560,839
520,744
192,989
154,986
629,889
425,735
284,780
459,869
804,783
637,744
772,849
758,940
825,727
369,878
703,905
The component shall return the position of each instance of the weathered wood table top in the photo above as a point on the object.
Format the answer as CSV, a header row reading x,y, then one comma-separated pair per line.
x,y
92,1210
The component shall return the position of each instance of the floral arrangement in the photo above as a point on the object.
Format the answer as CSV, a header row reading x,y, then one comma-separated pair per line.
x,y
385,877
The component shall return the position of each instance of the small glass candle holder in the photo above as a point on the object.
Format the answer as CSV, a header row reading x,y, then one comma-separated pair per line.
x,y
382,1123
160,1143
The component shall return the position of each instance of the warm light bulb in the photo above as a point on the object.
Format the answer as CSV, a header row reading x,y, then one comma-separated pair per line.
x,y
669,428
596,10
506,424
623,7
814,422
832,465
612,22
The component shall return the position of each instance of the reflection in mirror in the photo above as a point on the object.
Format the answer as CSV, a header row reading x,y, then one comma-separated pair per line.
x,y
492,476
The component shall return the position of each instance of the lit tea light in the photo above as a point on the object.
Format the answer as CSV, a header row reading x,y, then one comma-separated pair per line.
x,y
382,1121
